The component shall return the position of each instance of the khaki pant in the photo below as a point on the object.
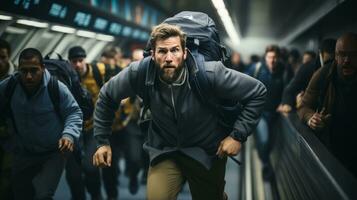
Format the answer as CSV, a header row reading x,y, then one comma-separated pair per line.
x,y
166,179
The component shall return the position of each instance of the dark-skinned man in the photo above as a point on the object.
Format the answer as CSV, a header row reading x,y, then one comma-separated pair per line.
x,y
43,135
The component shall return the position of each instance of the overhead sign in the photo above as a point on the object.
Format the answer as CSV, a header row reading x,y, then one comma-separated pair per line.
x,y
76,15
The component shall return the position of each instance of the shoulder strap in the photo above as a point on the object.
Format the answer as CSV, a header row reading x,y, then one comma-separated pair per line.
x,y
9,91
143,86
96,75
143,71
257,69
53,91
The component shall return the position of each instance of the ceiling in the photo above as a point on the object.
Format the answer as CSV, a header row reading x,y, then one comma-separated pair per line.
x,y
260,22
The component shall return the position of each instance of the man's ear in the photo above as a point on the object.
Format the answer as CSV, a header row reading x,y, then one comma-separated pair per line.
x,y
185,53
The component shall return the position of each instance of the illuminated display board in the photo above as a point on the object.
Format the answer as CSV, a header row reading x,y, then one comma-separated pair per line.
x,y
74,14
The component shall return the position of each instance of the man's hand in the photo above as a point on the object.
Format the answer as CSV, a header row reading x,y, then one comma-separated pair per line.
x,y
284,108
65,144
228,147
319,120
299,99
103,157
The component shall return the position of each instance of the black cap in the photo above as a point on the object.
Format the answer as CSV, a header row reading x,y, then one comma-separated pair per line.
x,y
76,52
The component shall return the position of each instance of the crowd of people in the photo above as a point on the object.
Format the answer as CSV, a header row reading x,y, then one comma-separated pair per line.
x,y
184,141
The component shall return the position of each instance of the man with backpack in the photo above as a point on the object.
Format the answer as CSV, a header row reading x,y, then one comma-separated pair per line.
x,y
44,131
329,104
186,138
75,170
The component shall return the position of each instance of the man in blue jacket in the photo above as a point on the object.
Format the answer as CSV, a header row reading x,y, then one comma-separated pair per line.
x,y
42,134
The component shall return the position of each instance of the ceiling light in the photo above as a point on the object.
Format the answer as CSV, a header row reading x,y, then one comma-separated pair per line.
x,y
87,34
32,23
5,17
63,29
227,21
107,38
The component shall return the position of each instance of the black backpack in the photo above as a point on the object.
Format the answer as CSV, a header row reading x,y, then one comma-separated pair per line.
x,y
201,34
63,71
204,45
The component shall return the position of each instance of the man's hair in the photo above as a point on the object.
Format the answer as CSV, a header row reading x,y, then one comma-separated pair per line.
x,y
295,54
164,31
110,52
30,53
311,53
328,45
5,45
272,48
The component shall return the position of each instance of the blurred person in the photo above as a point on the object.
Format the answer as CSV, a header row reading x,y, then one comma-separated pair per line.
x,y
299,83
254,58
294,62
308,56
270,73
137,55
75,170
185,140
6,69
236,63
43,134
329,103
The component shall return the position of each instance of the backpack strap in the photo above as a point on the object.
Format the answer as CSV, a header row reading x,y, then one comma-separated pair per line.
x,y
9,92
53,91
97,75
143,79
144,86
258,66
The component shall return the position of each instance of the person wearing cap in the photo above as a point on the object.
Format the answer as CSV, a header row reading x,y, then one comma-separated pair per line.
x,y
77,57
294,90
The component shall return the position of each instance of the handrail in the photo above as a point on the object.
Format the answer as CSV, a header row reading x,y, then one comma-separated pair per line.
x,y
304,168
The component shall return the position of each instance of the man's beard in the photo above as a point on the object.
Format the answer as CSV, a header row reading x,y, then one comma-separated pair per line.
x,y
169,73
347,78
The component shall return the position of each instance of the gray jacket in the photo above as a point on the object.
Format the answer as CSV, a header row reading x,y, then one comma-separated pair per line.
x,y
180,122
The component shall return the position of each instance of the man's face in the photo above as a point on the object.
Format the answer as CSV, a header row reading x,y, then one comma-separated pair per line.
x,y
79,65
346,58
4,59
306,58
169,58
271,59
235,59
31,72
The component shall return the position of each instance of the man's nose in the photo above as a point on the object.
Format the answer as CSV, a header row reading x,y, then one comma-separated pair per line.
x,y
28,75
169,57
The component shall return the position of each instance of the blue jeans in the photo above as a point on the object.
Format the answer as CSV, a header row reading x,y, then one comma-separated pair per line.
x,y
262,136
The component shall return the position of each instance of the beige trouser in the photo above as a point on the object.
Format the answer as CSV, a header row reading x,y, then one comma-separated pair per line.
x,y
166,179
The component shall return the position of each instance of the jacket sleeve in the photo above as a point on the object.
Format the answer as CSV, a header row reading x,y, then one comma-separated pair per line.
x,y
310,98
110,96
71,114
251,93
298,83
